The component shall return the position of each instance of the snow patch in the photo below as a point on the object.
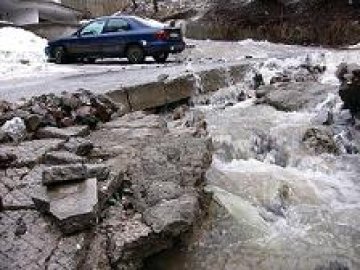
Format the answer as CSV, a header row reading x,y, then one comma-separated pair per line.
x,y
20,51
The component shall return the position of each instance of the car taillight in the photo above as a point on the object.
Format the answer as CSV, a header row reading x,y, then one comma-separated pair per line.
x,y
162,35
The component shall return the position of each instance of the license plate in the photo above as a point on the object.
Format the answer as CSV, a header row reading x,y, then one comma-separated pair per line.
x,y
174,35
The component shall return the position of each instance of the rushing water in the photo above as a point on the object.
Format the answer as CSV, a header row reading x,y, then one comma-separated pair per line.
x,y
276,204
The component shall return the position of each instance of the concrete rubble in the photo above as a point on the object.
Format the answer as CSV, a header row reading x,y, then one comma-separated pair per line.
x,y
99,197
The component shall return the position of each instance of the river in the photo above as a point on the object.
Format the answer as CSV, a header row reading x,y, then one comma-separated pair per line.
x,y
276,204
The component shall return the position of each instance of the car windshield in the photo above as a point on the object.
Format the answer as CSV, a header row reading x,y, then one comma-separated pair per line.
x,y
149,22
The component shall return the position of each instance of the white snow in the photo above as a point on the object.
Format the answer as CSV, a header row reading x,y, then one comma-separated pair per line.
x,y
21,52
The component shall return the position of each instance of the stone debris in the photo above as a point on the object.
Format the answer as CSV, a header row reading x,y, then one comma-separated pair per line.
x,y
23,120
133,181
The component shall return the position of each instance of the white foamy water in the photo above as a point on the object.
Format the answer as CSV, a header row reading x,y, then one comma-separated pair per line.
x,y
277,204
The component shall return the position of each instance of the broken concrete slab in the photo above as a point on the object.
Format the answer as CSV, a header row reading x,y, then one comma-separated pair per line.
x,y
62,133
62,157
64,173
146,96
179,88
213,80
74,206
30,153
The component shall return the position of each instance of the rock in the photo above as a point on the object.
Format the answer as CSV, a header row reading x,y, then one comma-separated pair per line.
x,y
66,173
74,206
32,122
62,133
320,140
128,247
333,266
213,80
349,76
6,159
79,146
1,204
172,217
179,112
258,80
30,153
99,171
21,227
294,96
62,157
15,129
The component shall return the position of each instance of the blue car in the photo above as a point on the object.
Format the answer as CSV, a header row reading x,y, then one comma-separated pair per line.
x,y
118,37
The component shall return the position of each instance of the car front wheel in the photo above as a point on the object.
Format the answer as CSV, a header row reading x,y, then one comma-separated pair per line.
x,y
161,58
60,55
135,54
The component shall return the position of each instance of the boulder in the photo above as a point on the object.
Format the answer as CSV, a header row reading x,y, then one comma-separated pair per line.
x,y
55,175
294,96
15,129
349,76
74,206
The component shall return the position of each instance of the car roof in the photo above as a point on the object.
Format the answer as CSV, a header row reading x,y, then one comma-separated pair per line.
x,y
116,16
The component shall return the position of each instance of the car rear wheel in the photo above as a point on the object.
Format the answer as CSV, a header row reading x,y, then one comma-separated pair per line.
x,y
60,55
135,54
161,58
89,60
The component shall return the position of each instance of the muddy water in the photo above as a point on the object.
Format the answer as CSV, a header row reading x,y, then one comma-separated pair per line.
x,y
277,205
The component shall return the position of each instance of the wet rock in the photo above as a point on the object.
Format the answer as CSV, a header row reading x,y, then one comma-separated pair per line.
x,y
349,76
79,146
74,206
174,216
294,96
62,133
66,173
62,157
258,80
320,140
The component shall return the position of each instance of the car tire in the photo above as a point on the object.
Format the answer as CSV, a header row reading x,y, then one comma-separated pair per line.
x,y
60,55
161,58
135,54
89,60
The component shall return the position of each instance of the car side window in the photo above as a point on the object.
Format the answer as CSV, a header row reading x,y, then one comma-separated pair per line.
x,y
116,25
93,29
